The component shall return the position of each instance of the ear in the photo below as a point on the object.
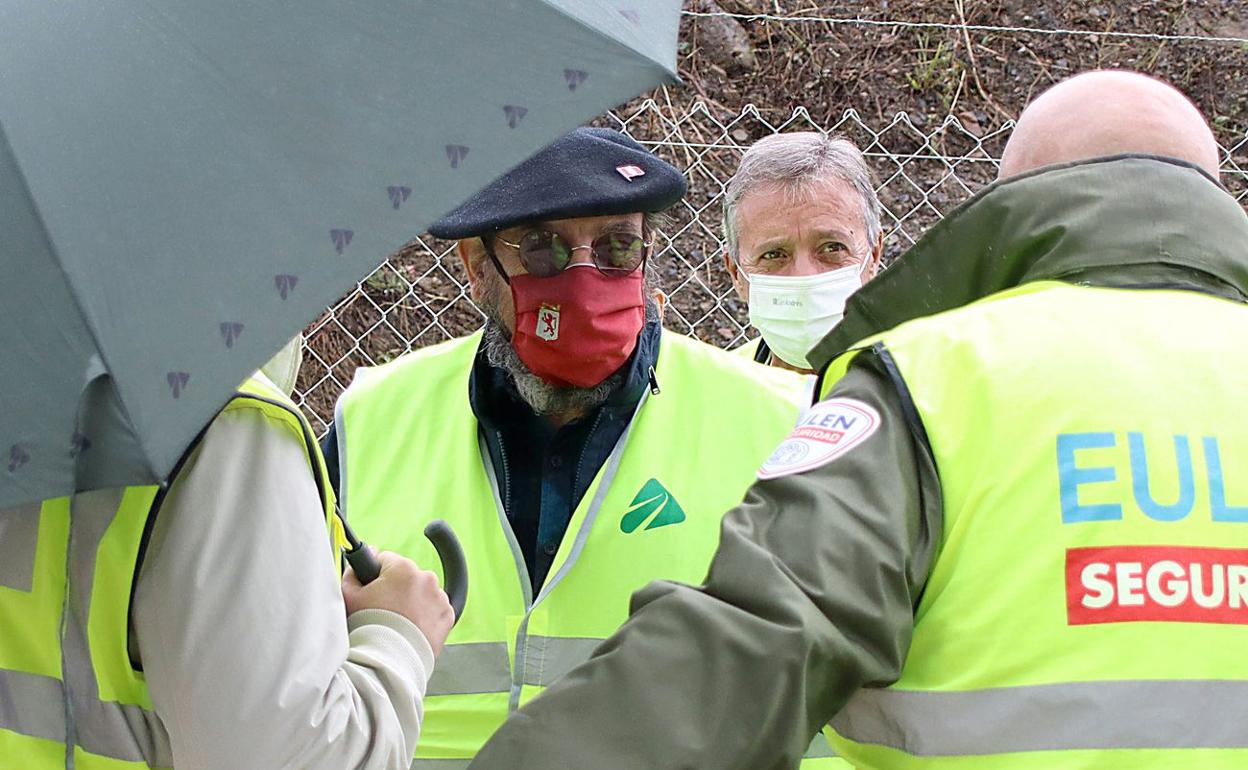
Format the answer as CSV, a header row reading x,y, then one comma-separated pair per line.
x,y
876,261
734,272
472,253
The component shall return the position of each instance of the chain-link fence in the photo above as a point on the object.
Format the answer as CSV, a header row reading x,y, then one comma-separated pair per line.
x,y
420,295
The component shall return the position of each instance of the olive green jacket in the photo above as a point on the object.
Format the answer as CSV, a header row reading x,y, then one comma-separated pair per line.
x,y
811,595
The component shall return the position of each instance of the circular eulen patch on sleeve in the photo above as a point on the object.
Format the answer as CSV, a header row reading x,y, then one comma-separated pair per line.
x,y
830,429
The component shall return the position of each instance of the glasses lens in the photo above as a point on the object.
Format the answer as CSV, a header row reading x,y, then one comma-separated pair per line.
x,y
544,253
620,252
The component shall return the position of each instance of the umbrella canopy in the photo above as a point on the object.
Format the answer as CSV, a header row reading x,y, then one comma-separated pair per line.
x,y
186,184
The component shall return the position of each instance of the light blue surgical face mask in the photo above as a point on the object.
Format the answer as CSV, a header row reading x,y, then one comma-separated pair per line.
x,y
794,312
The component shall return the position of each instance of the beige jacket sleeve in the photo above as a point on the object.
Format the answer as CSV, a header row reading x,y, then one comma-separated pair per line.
x,y
240,623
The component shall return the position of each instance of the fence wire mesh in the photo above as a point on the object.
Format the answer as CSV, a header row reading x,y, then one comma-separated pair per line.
x,y
420,295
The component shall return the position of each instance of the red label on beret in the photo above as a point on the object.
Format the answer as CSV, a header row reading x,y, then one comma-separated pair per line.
x,y
630,172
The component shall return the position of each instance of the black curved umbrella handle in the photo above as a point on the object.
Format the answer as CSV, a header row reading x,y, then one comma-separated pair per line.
x,y
454,565
450,553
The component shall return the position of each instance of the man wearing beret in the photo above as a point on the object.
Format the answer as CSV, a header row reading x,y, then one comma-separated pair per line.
x,y
579,450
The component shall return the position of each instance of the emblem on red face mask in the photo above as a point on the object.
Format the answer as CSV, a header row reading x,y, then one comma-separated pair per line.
x,y
630,172
548,322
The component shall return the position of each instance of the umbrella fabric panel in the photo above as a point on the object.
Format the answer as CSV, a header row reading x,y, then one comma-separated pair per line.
x,y
209,176
39,337
652,26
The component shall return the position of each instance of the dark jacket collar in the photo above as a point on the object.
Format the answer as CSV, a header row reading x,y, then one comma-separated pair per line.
x,y
494,398
1125,221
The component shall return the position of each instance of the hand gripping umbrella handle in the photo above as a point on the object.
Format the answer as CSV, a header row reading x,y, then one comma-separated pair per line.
x,y
450,553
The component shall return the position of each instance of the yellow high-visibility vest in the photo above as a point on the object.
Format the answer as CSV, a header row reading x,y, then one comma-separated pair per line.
x,y
1088,604
748,349
410,452
66,675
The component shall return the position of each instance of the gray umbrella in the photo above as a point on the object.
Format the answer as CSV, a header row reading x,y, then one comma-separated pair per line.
x,y
185,184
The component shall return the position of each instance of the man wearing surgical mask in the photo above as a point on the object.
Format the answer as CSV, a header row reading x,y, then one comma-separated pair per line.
x,y
579,449
802,228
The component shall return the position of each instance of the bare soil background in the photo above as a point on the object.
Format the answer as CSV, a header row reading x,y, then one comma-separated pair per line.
x,y
981,78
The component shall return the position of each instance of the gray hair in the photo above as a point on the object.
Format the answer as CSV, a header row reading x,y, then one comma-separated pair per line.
x,y
796,160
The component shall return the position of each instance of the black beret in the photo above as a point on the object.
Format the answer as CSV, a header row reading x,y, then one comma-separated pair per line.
x,y
588,172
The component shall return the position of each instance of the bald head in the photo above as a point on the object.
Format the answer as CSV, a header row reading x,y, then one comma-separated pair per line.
x,y
1108,113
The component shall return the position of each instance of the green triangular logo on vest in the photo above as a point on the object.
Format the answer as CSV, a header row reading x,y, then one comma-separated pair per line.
x,y
654,504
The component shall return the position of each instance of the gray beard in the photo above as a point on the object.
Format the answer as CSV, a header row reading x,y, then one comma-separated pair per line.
x,y
541,396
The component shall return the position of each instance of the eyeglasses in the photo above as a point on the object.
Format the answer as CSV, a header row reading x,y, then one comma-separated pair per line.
x,y
545,253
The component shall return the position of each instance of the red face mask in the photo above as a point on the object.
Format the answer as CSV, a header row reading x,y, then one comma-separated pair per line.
x,y
577,327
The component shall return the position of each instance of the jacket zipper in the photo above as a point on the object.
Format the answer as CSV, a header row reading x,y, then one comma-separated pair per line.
x,y
502,452
580,462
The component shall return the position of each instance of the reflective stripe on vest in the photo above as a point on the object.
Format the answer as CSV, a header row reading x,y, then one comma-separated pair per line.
x,y
106,713
1088,606
410,452
818,757
66,679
